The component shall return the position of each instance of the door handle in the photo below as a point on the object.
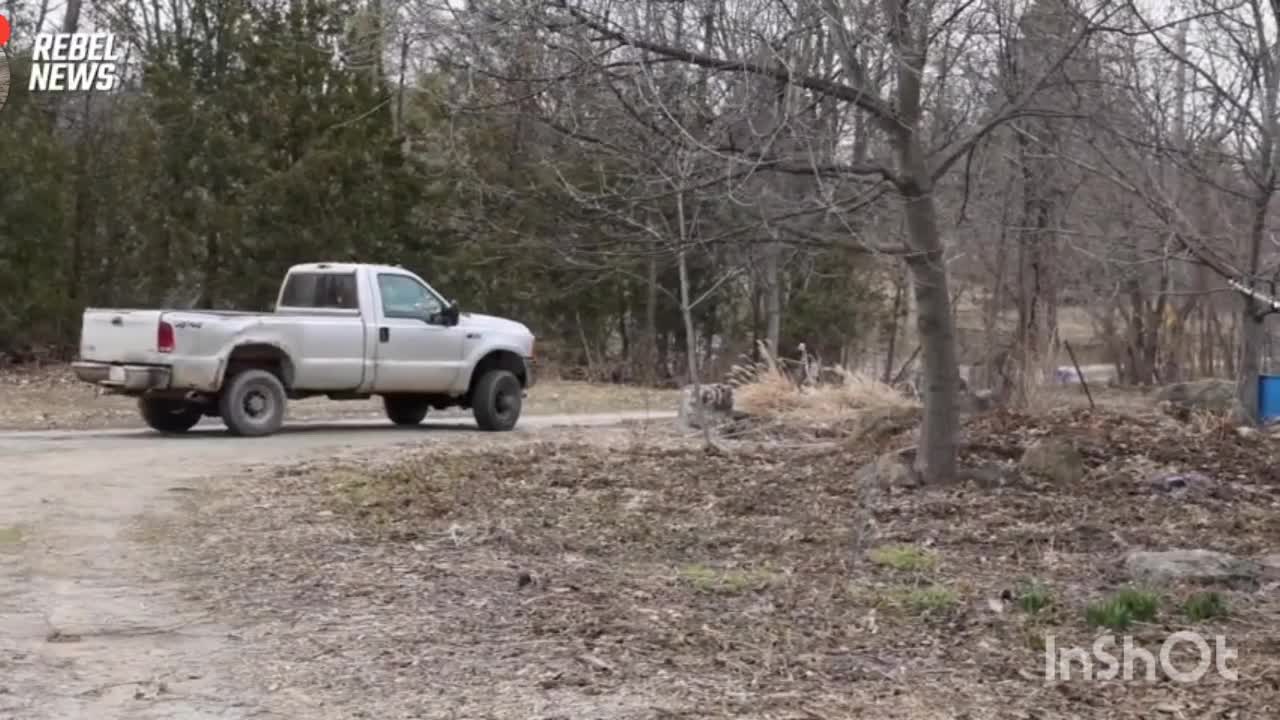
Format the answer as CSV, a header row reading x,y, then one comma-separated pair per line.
x,y
384,334
473,336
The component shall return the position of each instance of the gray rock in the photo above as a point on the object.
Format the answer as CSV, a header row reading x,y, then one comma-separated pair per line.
x,y
1204,566
1056,460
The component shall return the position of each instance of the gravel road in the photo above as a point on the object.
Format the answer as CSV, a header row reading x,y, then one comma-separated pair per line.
x,y
90,627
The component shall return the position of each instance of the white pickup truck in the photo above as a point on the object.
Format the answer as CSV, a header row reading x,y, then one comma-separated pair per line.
x,y
344,331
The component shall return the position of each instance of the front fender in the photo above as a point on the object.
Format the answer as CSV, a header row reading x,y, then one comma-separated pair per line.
x,y
477,354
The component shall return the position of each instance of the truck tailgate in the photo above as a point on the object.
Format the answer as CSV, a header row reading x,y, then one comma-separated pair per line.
x,y
120,336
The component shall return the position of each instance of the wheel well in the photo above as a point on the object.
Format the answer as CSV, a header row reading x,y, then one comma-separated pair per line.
x,y
498,360
260,356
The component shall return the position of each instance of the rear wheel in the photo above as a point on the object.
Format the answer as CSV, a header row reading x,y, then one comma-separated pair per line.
x,y
169,415
252,403
496,400
406,410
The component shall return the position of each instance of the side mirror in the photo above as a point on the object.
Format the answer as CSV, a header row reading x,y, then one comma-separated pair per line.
x,y
447,317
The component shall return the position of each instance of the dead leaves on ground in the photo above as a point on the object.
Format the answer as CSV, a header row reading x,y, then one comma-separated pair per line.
x,y
731,586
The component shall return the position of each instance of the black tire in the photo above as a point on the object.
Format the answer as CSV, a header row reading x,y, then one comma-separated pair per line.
x,y
253,403
406,410
496,401
169,415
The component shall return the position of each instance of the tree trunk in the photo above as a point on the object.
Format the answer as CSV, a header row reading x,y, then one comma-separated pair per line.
x,y
995,306
773,298
690,332
82,215
71,17
936,459
212,286
896,312
1230,335
1251,340
651,321
1252,317
1033,267
755,318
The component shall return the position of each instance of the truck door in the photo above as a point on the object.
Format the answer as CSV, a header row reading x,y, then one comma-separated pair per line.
x,y
415,354
331,336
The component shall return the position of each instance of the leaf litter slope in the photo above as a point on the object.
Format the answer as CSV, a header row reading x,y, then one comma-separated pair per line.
x,y
614,575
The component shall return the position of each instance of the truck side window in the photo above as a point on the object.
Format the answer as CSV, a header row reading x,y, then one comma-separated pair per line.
x,y
405,297
300,290
321,290
338,291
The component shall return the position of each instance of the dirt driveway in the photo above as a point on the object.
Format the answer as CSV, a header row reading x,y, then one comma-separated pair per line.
x,y
90,627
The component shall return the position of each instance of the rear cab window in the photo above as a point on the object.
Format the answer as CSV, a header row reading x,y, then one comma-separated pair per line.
x,y
331,291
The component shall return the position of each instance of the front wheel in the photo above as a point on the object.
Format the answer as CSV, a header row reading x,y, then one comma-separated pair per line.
x,y
496,400
168,415
253,403
404,410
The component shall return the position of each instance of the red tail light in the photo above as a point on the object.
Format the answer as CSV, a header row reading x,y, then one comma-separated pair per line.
x,y
164,337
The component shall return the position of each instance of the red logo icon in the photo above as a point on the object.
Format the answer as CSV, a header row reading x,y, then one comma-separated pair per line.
x,y
4,30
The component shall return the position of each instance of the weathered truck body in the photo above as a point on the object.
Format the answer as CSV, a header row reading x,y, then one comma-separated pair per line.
x,y
345,331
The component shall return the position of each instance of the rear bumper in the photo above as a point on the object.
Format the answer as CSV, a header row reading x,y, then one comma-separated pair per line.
x,y
128,378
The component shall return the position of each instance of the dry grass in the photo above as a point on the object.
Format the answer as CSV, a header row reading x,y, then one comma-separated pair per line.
x,y
52,398
764,389
616,579
767,390
843,404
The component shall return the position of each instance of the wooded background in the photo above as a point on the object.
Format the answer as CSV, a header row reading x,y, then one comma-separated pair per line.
x,y
856,175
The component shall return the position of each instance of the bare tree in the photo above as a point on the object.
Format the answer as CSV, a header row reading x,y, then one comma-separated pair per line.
x,y
881,74
1210,158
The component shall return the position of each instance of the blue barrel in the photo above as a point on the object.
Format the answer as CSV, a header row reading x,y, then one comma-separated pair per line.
x,y
1269,398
